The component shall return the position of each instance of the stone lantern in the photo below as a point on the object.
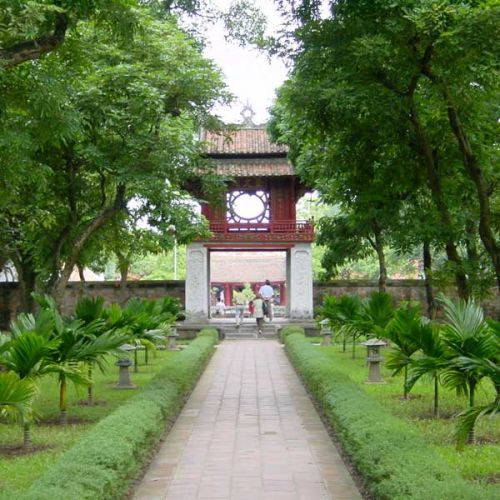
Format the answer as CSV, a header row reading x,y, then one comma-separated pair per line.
x,y
373,359
172,336
123,364
326,332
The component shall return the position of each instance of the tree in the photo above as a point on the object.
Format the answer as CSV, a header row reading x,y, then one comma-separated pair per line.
x,y
378,63
33,29
122,123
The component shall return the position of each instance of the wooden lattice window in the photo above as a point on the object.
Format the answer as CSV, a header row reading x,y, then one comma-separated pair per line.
x,y
248,207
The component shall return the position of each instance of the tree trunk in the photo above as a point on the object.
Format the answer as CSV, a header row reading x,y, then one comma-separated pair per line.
x,y
471,438
90,388
58,285
27,443
429,293
378,246
123,266
474,171
405,392
26,276
63,415
434,180
436,397
136,361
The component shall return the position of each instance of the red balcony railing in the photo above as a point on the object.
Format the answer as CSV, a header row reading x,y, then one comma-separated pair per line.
x,y
301,228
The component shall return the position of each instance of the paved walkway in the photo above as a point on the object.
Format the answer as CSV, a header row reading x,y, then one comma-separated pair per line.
x,y
248,431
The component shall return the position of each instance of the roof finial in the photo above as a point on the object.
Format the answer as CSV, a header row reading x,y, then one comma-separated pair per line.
x,y
247,114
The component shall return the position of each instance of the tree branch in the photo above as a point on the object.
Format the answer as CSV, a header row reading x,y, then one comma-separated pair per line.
x,y
34,49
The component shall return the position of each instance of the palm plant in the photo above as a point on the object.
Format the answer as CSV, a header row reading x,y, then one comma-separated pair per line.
x,y
143,317
377,311
469,417
27,354
16,397
345,315
473,349
90,310
404,330
78,344
431,361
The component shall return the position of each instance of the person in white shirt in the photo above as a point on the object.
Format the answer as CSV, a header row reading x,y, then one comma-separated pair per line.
x,y
267,293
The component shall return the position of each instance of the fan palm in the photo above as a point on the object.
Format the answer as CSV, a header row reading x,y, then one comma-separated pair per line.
x,y
468,418
78,344
473,346
404,330
90,310
16,397
143,317
344,314
377,311
431,361
27,354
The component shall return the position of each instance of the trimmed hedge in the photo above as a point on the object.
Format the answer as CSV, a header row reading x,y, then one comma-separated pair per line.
x,y
393,459
105,462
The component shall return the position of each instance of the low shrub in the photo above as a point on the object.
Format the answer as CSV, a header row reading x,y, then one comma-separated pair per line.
x,y
104,463
393,459
289,330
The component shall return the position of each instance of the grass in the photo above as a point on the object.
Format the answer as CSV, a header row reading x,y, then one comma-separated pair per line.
x,y
479,463
17,472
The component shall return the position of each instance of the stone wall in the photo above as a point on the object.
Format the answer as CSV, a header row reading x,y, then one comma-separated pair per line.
x,y
111,291
401,290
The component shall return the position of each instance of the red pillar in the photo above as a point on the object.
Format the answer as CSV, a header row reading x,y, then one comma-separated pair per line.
x,y
283,294
228,299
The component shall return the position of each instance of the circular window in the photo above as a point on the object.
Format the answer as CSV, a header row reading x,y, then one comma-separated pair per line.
x,y
248,207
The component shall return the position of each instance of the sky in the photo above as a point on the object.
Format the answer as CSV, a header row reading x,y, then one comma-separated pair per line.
x,y
250,75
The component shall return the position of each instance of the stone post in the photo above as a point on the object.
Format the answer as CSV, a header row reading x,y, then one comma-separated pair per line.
x,y
197,285
301,281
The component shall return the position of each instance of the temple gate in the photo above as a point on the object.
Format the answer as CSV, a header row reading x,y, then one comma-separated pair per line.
x,y
258,213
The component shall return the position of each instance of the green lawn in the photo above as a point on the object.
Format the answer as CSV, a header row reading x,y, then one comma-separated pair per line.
x,y
478,463
17,472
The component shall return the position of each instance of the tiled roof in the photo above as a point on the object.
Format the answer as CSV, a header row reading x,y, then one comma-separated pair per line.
x,y
253,140
272,167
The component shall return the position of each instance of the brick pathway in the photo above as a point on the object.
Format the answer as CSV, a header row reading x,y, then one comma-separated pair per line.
x,y
248,431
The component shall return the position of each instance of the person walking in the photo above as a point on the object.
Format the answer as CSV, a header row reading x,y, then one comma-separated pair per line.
x,y
239,301
266,292
258,306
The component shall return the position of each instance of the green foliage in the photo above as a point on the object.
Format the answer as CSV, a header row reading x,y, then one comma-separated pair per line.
x,y
16,396
381,118
405,330
378,443
107,139
105,462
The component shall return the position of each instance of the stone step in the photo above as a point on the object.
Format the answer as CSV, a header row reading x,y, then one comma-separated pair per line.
x,y
248,331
